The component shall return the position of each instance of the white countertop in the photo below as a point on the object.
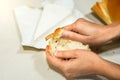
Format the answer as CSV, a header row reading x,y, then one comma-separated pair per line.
x,y
17,63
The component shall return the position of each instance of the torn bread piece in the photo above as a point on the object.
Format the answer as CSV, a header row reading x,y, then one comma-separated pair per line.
x,y
56,42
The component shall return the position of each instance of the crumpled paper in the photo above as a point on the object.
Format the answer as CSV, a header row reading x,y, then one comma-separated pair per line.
x,y
35,24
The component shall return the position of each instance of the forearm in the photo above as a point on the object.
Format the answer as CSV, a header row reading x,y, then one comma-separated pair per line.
x,y
109,70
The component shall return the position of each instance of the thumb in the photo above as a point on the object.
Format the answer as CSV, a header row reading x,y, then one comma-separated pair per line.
x,y
66,54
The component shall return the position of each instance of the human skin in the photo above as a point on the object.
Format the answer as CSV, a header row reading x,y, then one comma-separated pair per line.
x,y
91,33
82,62
76,63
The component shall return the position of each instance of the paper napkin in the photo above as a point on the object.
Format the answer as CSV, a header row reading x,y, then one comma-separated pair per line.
x,y
35,24
27,19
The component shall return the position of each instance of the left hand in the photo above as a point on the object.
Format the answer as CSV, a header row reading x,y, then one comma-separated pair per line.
x,y
75,63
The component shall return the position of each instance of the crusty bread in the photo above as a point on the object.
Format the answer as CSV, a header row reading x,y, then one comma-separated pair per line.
x,y
108,10
56,42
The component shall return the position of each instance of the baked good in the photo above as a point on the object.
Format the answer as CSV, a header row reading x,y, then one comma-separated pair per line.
x,y
56,42
108,10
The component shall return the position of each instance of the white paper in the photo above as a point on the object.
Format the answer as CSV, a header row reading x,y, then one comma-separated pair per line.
x,y
51,15
35,24
65,3
27,19
41,43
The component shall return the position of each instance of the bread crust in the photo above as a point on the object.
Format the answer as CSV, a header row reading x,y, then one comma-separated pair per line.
x,y
114,10
108,10
57,32
100,8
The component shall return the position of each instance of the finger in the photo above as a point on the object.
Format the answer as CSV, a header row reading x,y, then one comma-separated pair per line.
x,y
68,27
75,36
52,59
66,54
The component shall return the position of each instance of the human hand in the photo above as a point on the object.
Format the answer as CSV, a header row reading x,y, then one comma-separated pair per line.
x,y
91,33
75,63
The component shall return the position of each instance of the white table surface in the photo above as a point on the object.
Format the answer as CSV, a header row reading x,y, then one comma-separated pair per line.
x,y
17,63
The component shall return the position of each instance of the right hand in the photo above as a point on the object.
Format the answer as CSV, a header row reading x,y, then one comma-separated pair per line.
x,y
91,33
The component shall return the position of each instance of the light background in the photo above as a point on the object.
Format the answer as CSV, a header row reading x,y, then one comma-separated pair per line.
x,y
17,63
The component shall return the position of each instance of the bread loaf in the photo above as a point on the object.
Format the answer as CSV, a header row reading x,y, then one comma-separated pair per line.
x,y
108,10
56,42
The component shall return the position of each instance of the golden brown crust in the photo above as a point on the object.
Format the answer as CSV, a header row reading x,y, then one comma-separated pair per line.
x,y
52,35
108,10
55,34
114,10
100,8
50,49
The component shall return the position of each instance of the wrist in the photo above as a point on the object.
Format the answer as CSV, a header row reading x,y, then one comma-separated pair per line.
x,y
110,32
117,29
114,31
109,70
98,65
